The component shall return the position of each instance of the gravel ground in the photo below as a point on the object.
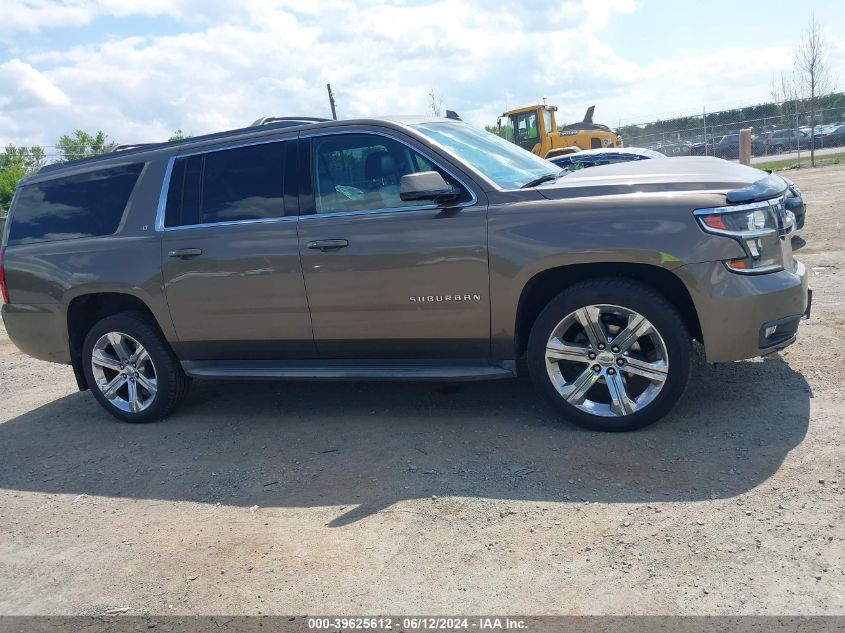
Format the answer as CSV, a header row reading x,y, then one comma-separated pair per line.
x,y
419,498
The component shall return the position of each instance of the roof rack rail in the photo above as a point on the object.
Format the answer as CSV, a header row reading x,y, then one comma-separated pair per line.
x,y
126,146
286,120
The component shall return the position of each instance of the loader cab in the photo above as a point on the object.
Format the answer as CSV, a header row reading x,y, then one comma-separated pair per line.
x,y
535,129
530,127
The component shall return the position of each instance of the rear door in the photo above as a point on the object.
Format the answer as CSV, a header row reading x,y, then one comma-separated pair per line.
x,y
388,278
230,256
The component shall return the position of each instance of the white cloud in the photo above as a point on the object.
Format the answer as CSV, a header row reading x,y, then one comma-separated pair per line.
x,y
33,15
234,63
23,87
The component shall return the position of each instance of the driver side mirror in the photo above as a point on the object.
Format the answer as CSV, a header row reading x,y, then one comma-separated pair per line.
x,y
426,185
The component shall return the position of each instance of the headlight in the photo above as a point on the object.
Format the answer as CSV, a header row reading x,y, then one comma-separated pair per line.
x,y
757,227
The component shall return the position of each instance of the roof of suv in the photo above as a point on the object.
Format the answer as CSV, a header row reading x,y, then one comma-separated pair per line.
x,y
261,127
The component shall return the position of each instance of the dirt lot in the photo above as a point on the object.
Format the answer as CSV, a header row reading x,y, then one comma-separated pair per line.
x,y
415,498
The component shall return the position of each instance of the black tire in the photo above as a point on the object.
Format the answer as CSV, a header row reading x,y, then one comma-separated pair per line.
x,y
172,383
631,295
779,149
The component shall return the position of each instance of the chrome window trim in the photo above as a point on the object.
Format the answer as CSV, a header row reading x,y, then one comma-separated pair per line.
x,y
433,161
162,195
340,214
165,187
205,225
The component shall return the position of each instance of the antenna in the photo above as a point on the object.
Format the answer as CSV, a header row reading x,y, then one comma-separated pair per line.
x,y
331,101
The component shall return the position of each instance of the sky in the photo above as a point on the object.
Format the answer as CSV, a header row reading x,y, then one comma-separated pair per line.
x,y
140,69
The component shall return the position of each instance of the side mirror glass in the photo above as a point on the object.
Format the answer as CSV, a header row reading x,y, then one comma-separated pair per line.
x,y
426,185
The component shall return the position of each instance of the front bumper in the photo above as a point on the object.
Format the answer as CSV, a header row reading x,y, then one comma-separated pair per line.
x,y
737,312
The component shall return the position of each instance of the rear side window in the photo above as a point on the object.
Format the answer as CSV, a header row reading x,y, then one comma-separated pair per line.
x,y
84,205
244,183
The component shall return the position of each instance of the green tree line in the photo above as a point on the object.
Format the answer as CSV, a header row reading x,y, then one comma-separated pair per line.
x,y
770,115
17,162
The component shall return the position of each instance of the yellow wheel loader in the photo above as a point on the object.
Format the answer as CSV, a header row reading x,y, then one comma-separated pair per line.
x,y
535,129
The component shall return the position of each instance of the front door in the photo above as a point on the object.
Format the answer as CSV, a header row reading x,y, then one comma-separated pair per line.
x,y
230,255
388,278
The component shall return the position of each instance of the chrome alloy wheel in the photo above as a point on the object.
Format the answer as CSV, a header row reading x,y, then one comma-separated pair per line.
x,y
607,360
124,372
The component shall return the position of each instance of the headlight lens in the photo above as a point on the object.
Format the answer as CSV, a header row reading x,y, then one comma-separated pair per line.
x,y
757,228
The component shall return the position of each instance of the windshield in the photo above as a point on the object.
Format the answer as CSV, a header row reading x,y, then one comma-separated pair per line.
x,y
507,165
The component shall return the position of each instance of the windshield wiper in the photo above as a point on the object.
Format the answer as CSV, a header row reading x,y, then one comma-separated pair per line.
x,y
540,180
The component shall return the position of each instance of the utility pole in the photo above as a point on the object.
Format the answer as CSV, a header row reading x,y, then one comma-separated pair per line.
x,y
704,117
331,101
797,122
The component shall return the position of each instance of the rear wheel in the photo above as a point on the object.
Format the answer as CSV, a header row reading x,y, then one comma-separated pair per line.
x,y
779,149
131,370
611,354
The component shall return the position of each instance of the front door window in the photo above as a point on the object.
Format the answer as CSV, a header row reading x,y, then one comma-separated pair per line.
x,y
361,172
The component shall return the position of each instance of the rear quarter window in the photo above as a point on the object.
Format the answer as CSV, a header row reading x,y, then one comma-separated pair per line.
x,y
83,205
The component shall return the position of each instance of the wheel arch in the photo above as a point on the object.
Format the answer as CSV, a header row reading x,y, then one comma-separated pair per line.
x,y
85,310
547,284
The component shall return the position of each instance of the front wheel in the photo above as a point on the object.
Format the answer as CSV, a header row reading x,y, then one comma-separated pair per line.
x,y
131,370
611,354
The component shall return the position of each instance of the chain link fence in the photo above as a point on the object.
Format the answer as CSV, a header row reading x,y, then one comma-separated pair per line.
x,y
777,128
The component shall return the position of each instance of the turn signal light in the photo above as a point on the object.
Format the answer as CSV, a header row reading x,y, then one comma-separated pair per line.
x,y
714,221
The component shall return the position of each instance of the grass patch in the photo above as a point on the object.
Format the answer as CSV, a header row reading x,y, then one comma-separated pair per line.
x,y
777,165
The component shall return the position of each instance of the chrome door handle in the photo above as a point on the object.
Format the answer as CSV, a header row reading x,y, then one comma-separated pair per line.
x,y
328,245
185,253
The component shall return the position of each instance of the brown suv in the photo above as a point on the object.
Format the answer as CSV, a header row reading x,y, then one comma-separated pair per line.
x,y
412,248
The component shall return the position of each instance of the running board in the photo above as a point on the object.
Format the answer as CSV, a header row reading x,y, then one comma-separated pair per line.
x,y
349,370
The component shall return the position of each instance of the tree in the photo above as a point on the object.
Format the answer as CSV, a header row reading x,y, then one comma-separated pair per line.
x,y
15,163
435,102
813,72
178,135
82,145
498,130
8,181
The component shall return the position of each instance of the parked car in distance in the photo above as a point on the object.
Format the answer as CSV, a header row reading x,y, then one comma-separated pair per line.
x,y
609,156
673,149
780,141
727,147
701,149
831,136
397,248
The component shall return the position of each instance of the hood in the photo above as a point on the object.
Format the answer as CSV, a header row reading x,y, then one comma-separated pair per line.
x,y
705,173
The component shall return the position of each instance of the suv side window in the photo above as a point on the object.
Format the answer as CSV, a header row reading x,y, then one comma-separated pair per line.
x,y
83,205
230,185
361,172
